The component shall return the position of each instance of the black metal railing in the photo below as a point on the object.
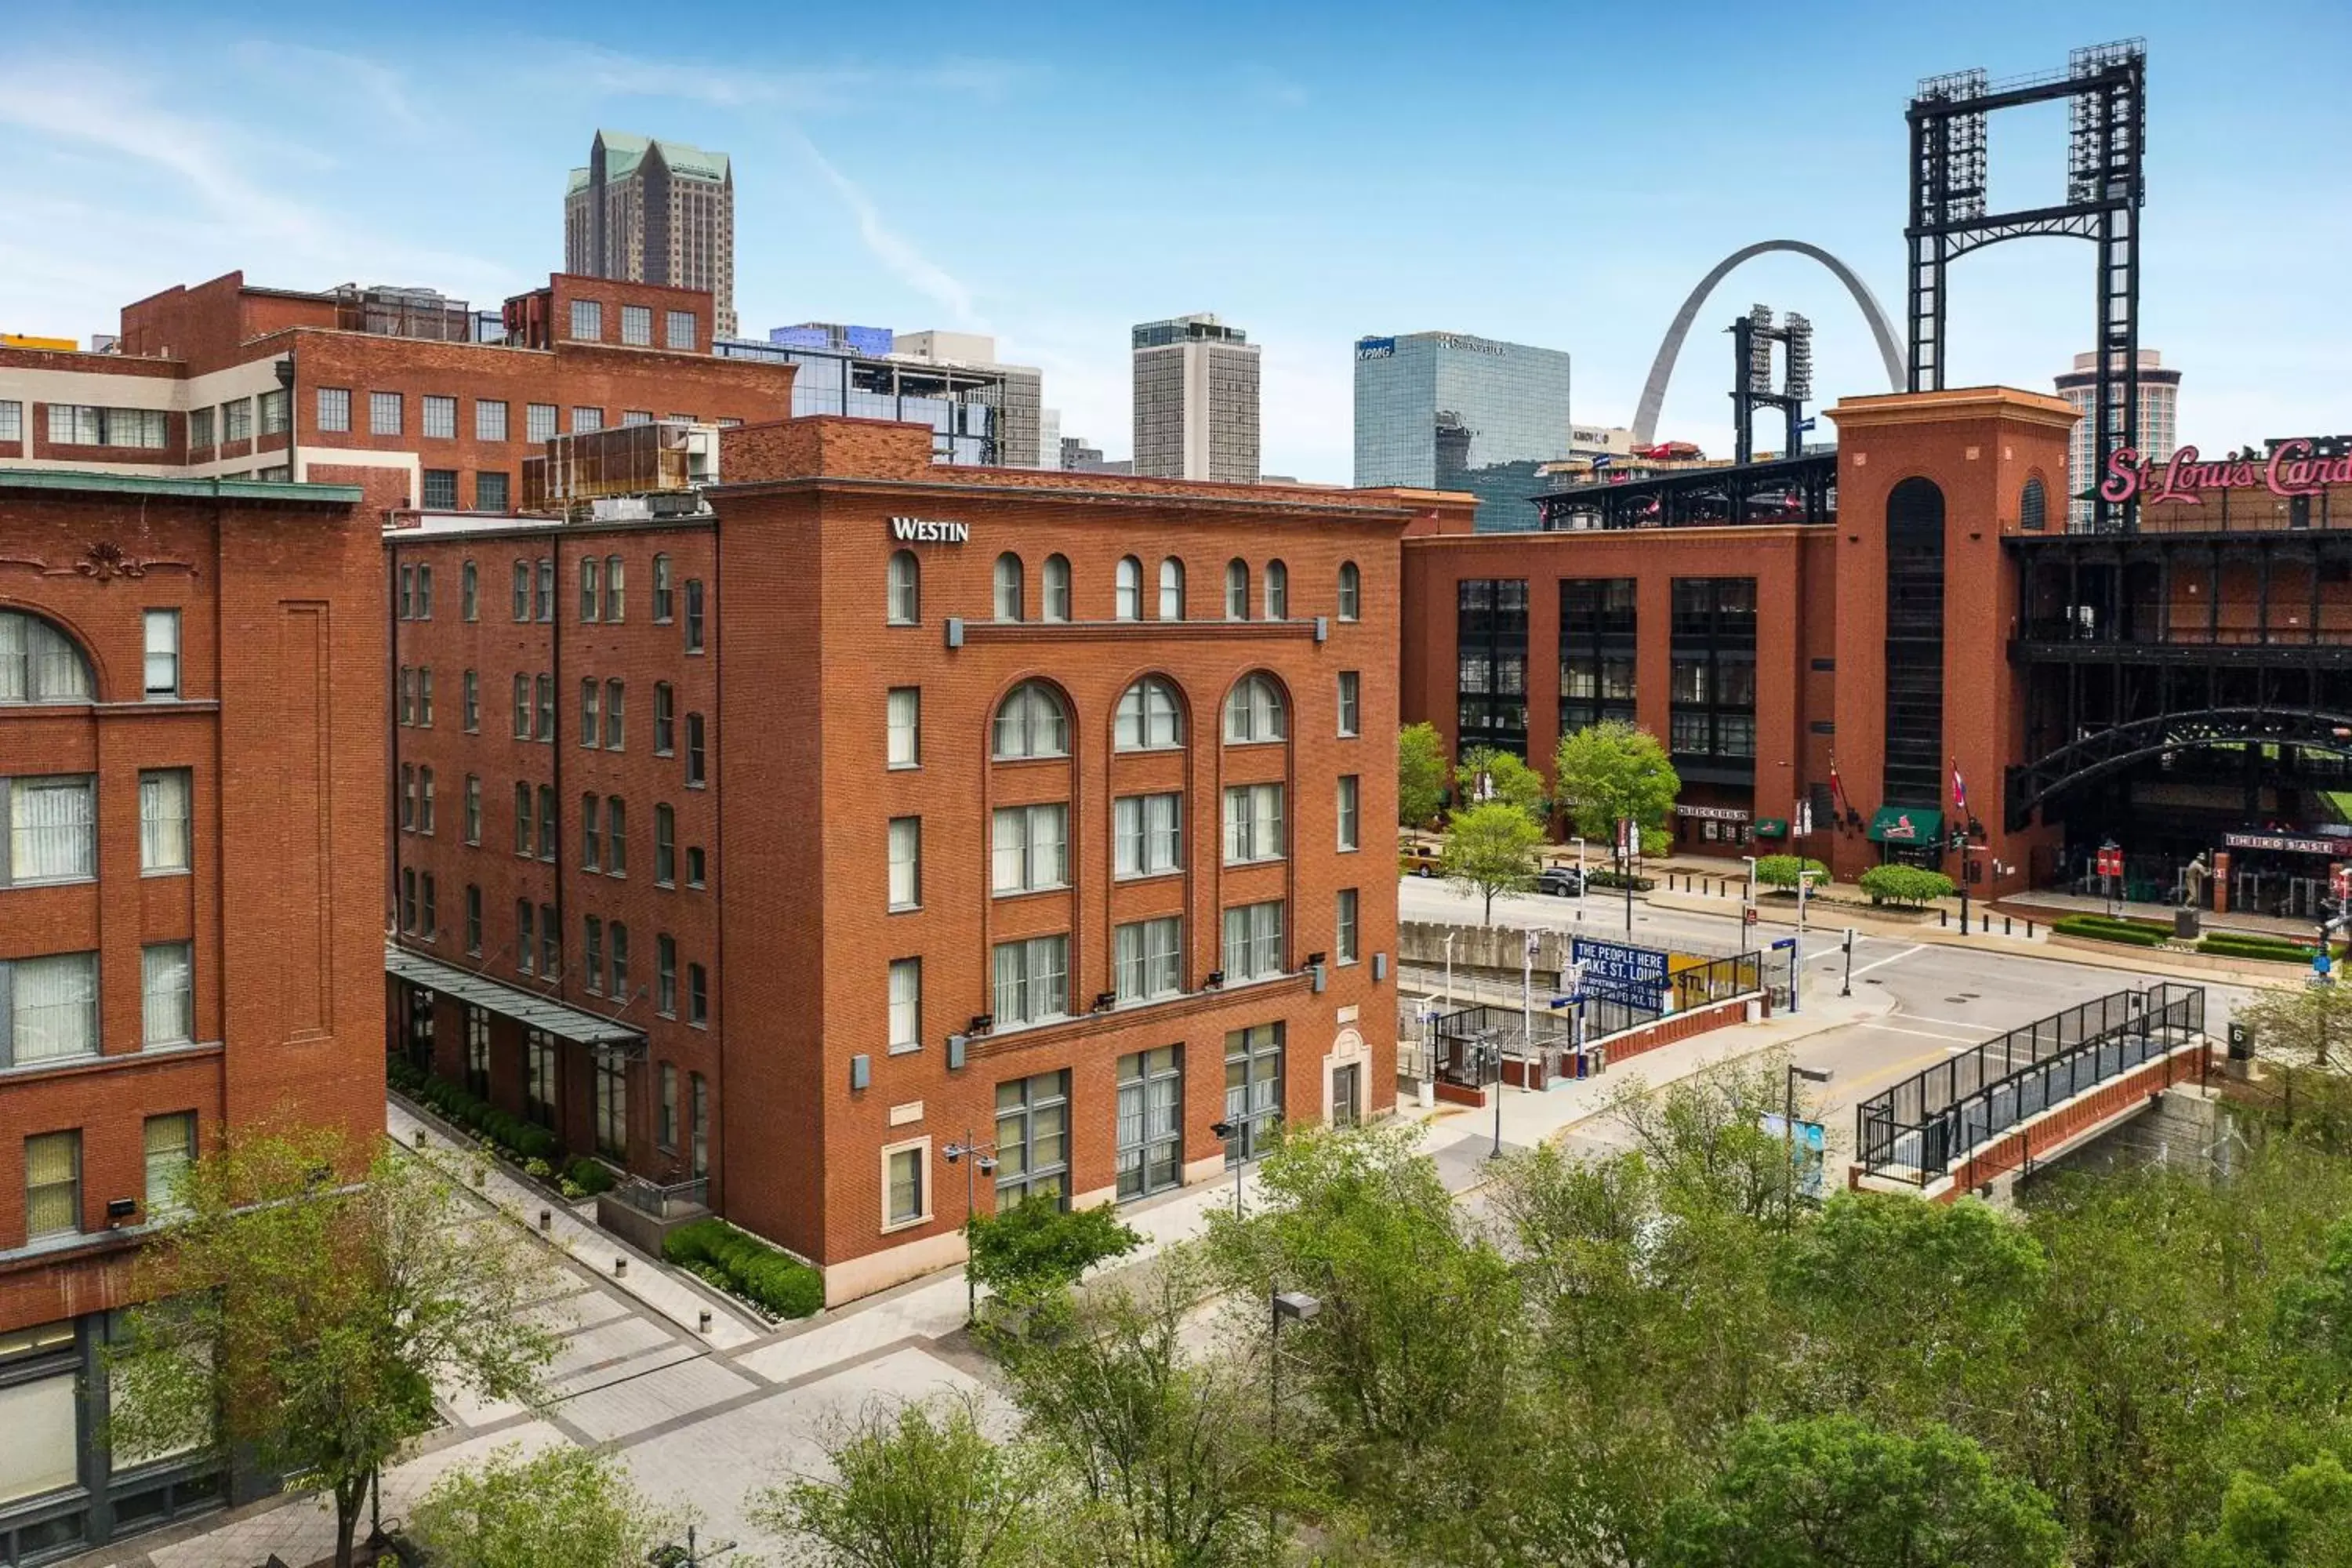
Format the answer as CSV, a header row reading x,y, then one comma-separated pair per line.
x,y
1916,1130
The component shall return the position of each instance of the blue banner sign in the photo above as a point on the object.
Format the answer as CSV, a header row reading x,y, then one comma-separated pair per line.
x,y
1617,969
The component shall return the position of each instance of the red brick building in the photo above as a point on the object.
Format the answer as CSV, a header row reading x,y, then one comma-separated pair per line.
x,y
191,803
876,806
219,381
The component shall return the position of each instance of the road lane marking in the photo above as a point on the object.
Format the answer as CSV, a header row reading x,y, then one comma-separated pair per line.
x,y
1923,1033
1892,958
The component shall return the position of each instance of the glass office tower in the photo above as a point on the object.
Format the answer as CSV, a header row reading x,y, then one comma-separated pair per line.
x,y
1447,411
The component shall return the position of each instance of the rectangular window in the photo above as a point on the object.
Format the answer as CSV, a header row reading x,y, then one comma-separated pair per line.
x,y
614,728
1151,1121
612,1104
163,813
1149,831
425,593
694,614
440,489
52,1184
272,406
664,720
490,419
902,1202
1031,848
698,996
1346,941
539,422
906,862
1033,1140
200,427
543,687
591,593
665,975
52,1009
1254,829
637,416
1253,941
592,953
522,839
522,707
906,1004
522,591
492,492
1031,980
906,715
637,325
617,837
334,405
1253,1089
168,1006
162,656
472,698
474,920
587,320
478,1051
665,1134
620,972
1350,823
539,1090
592,833
586,421
543,600
52,829
665,846
383,413
678,329
525,936
1149,959
546,822
590,695
170,1147
12,422
237,420
695,777
662,599
82,425
440,417
1350,703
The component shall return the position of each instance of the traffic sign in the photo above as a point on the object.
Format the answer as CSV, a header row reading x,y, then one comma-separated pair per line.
x,y
2110,861
1747,916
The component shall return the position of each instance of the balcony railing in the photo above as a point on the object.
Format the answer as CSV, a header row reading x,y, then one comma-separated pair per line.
x,y
678,1200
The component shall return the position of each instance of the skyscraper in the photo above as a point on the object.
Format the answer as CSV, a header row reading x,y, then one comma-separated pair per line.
x,y
1196,401
1447,411
2159,422
648,211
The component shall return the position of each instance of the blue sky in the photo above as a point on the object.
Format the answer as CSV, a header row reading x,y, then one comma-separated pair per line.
x,y
1555,175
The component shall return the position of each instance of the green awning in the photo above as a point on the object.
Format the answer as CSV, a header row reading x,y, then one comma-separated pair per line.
x,y
1771,827
1908,825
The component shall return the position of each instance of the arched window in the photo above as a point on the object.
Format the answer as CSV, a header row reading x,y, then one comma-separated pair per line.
x,y
1253,712
1149,718
1032,723
38,663
906,588
1277,591
1237,590
1057,607
2033,507
1128,601
1008,586
1351,592
1171,589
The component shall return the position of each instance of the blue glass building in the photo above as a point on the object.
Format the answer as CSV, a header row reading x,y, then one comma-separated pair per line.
x,y
1447,411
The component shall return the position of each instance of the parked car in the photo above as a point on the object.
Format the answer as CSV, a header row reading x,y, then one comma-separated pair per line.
x,y
1420,860
1560,881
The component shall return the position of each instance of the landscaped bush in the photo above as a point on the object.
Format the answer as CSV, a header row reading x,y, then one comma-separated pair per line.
x,y
2254,946
743,1265
588,1177
2104,928
1033,1250
518,1139
1911,886
1619,879
1783,870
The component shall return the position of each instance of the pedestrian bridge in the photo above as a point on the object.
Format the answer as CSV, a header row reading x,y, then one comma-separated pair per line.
x,y
1995,1107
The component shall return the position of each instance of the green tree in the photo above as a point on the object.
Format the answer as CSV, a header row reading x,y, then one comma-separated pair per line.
x,y
2302,1036
1910,886
2303,1521
561,1508
1783,870
1609,771
1033,1250
308,1319
1491,850
1833,1492
1487,775
921,1486
1421,774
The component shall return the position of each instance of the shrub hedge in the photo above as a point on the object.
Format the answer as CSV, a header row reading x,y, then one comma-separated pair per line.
x,y
2102,928
588,1176
2248,944
518,1139
1618,879
745,1265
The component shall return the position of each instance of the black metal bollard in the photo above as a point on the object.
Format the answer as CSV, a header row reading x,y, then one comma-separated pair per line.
x,y
2028,929
2004,926
1944,918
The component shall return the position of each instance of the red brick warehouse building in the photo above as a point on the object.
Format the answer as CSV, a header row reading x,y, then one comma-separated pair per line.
x,y
773,844
191,812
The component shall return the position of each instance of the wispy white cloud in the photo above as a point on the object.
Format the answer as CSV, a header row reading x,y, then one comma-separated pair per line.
x,y
371,81
815,90
893,249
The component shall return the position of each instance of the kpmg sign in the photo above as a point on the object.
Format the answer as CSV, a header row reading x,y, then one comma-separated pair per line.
x,y
1376,348
929,530
1617,970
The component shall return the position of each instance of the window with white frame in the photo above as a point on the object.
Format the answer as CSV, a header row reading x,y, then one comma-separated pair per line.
x,y
1237,604
616,598
52,829
1008,587
1149,959
906,723
438,417
539,422
1345,941
904,1183
53,1192
1350,814
200,427
171,1149
637,416
237,419
906,862
490,419
1148,718
586,421
383,413
1351,592
662,599
40,664
84,425
165,810
162,663
52,1011
906,1004
637,326
1056,605
271,406
334,408
664,845
1253,712
1148,834
906,589
1277,591
592,594
587,320
1171,589
1030,723
168,996
1030,848
1351,702
1031,981
1253,949
679,330
1253,823
1126,590
666,976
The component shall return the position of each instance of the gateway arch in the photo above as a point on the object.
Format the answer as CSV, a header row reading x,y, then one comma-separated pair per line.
x,y
1662,368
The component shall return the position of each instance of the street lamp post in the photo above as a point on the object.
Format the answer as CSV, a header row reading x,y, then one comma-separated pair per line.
x,y
1748,907
1788,1124
1225,1133
982,1160
1300,1307
1805,875
1491,1046
690,1555
1847,989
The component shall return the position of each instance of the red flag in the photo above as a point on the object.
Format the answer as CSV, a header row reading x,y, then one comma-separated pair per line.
x,y
1959,791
